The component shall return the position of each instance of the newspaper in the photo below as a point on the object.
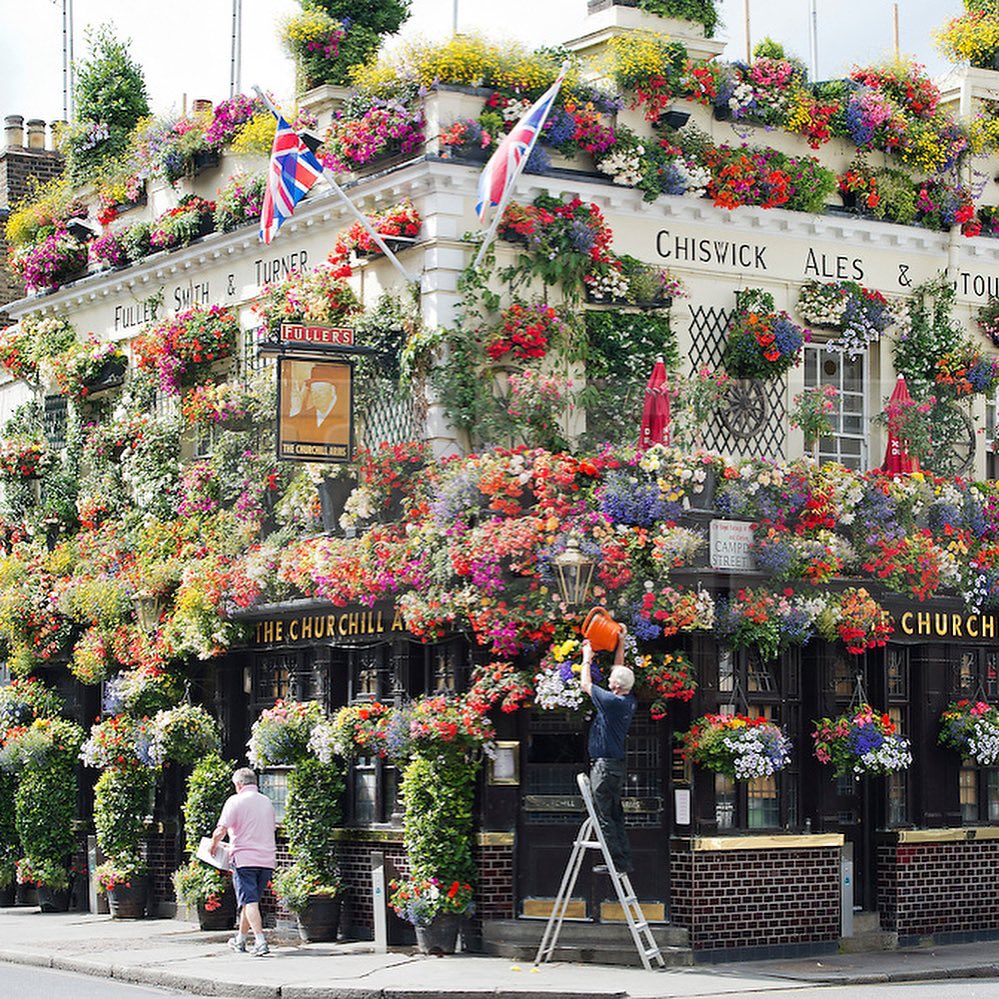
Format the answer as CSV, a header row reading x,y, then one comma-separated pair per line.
x,y
219,859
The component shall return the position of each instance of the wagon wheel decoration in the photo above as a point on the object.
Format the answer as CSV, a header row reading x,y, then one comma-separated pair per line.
x,y
744,410
952,439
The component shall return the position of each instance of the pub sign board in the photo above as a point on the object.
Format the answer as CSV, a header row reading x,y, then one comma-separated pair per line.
x,y
315,409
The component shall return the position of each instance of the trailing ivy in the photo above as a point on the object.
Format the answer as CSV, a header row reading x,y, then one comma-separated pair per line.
x,y
699,11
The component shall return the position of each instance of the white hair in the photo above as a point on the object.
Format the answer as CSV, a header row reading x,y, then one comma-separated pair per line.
x,y
622,677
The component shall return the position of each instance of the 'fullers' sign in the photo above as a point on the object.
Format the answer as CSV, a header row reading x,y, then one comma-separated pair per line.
x,y
326,336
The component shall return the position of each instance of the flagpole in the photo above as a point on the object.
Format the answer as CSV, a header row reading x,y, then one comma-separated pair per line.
x,y
361,217
508,190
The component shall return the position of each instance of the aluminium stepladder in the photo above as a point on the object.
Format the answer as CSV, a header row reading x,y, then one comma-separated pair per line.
x,y
591,837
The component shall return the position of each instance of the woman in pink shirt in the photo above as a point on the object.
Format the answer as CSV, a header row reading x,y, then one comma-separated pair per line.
x,y
248,818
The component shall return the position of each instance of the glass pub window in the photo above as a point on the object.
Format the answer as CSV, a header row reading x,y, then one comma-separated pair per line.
x,y
748,684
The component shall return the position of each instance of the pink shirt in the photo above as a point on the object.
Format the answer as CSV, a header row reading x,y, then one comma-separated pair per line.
x,y
249,817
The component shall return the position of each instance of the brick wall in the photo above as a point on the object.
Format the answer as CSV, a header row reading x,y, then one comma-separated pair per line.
x,y
17,165
942,889
773,900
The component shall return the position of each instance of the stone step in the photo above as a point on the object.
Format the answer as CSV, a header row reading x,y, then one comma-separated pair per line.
x,y
867,935
583,942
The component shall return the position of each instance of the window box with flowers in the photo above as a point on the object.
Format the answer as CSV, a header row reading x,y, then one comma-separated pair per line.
x,y
192,218
987,318
971,728
54,260
398,226
466,140
861,743
23,458
861,314
89,367
629,281
181,349
736,746
386,129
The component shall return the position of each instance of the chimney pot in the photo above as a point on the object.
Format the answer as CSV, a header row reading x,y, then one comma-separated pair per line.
x,y
14,130
36,133
57,128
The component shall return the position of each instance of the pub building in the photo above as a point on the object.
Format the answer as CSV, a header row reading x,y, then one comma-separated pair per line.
x,y
724,869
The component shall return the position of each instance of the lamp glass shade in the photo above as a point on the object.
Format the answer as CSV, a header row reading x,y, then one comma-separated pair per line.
x,y
574,571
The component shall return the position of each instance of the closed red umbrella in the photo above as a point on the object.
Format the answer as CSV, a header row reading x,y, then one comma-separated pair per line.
x,y
898,461
655,412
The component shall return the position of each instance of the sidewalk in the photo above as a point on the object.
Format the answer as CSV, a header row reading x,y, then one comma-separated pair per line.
x,y
173,954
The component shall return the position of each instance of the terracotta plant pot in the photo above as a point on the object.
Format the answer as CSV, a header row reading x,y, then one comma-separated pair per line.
x,y
601,630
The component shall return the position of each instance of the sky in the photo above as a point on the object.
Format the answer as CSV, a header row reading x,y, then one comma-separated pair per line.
x,y
184,46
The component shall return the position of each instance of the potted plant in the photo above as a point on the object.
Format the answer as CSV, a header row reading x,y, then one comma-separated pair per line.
x,y
466,139
988,320
525,332
666,676
178,226
761,343
861,743
121,802
55,259
972,728
44,755
737,746
435,908
280,736
24,458
398,226
444,748
385,129
695,401
310,887
811,412
181,348
240,202
199,885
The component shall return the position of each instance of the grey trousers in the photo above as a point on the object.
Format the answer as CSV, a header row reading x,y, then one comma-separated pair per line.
x,y
607,785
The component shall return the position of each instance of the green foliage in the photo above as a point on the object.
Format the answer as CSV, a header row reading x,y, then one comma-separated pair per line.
x,y
208,787
110,96
932,331
45,806
699,11
385,329
121,801
313,811
10,847
621,350
384,17
438,793
110,86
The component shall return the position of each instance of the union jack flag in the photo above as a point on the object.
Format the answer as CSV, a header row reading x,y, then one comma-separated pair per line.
x,y
292,172
511,154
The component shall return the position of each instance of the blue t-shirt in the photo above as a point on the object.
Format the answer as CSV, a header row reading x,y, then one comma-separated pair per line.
x,y
611,724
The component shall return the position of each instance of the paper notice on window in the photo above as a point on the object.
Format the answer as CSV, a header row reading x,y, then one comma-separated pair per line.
x,y
220,857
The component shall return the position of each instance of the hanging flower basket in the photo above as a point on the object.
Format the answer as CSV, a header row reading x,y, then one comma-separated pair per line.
x,y
23,459
737,746
861,743
668,677
972,728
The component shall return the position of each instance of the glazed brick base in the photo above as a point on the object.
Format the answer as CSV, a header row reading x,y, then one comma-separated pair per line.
x,y
757,903
948,891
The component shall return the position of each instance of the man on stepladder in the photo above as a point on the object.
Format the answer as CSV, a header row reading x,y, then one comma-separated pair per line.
x,y
615,710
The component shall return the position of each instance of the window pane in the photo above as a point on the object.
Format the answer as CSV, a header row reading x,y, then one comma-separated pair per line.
x,y
761,800
968,784
724,801
992,790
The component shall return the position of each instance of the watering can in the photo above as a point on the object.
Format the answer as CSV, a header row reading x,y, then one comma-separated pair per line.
x,y
602,631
